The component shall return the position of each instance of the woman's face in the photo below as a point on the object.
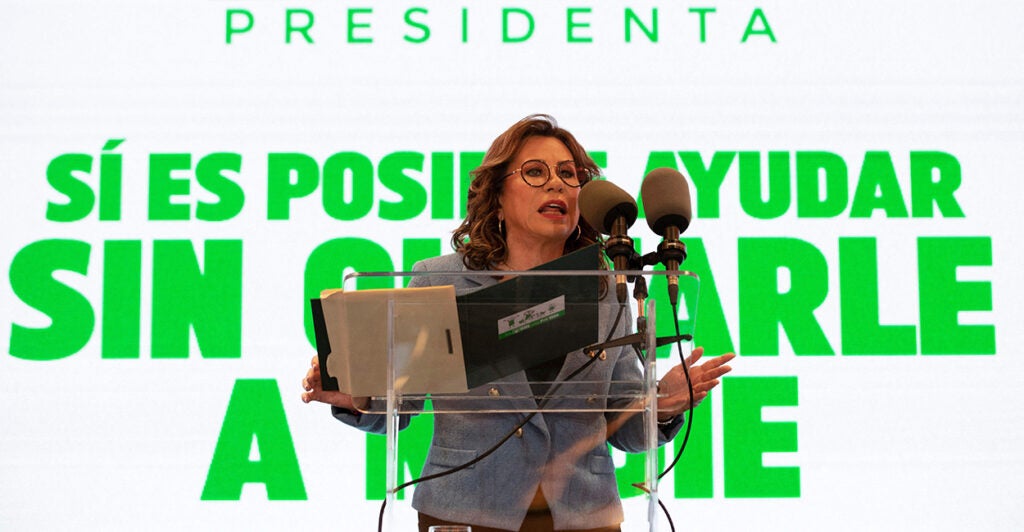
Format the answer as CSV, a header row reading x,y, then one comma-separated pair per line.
x,y
539,215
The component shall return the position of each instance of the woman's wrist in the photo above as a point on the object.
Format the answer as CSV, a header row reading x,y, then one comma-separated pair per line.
x,y
667,420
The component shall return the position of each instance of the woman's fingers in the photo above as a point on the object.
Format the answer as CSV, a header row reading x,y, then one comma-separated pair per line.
x,y
312,379
719,360
705,377
694,356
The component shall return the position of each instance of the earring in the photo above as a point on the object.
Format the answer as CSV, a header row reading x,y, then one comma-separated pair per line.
x,y
501,226
579,232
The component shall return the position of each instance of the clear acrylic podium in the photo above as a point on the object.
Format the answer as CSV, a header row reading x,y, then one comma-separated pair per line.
x,y
618,395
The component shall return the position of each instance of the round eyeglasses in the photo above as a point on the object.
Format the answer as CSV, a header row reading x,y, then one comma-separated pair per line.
x,y
537,173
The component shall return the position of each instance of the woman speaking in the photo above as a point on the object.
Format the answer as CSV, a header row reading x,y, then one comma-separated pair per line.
x,y
556,473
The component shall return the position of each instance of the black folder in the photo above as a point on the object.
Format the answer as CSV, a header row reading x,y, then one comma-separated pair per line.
x,y
553,316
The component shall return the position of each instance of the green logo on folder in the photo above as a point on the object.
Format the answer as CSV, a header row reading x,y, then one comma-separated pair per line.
x,y
531,317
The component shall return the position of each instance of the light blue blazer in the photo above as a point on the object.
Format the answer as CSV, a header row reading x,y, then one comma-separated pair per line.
x,y
563,453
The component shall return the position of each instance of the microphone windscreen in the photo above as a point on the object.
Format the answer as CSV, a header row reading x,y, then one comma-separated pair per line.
x,y
601,202
666,197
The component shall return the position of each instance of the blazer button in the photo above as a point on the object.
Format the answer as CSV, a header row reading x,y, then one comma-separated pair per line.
x,y
493,392
519,432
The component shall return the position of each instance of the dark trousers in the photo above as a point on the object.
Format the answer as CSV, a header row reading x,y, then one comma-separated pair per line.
x,y
535,521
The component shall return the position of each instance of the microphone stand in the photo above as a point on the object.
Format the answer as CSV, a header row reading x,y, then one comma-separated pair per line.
x,y
671,252
638,339
620,248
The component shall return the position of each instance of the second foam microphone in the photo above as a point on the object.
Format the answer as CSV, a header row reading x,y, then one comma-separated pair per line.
x,y
666,197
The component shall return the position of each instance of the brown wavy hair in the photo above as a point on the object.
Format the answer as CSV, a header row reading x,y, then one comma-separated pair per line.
x,y
479,238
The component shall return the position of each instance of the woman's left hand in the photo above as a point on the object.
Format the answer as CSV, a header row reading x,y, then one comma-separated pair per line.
x,y
673,394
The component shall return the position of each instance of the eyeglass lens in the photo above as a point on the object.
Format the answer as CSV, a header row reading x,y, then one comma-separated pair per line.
x,y
535,173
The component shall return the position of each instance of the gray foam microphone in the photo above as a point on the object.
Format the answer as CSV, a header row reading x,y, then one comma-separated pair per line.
x,y
611,210
602,202
666,197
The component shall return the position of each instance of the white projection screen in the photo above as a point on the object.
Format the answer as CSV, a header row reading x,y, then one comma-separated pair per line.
x,y
181,176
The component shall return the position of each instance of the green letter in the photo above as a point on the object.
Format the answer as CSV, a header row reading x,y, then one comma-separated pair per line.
x,y
162,187
465,25
810,202
442,186
764,306
230,29
651,33
393,176
571,25
352,24
110,182
71,315
858,304
329,262
942,297
924,190
765,28
707,180
255,414
184,296
304,30
122,298
281,189
703,11
412,455
424,29
878,174
336,168
747,437
505,37
693,476
60,174
751,197
210,176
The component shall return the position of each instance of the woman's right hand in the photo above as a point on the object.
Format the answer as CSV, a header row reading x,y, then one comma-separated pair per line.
x,y
315,391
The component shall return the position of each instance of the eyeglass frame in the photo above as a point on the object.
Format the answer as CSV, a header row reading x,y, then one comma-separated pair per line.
x,y
582,174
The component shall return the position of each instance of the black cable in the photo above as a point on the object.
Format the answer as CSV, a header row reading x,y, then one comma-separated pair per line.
x,y
540,406
689,387
664,509
686,433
